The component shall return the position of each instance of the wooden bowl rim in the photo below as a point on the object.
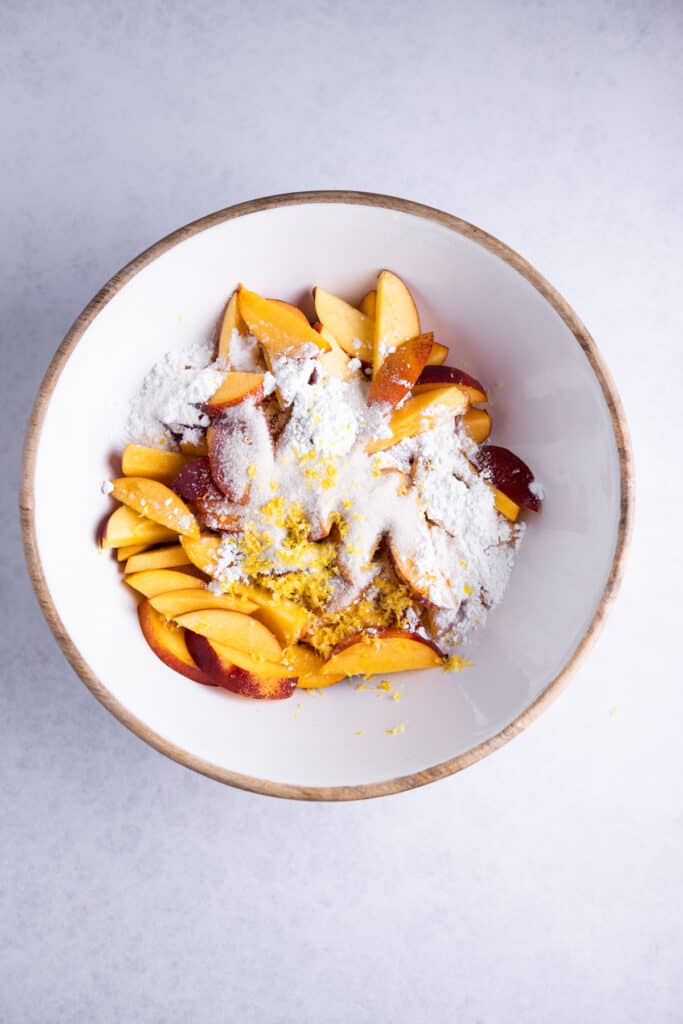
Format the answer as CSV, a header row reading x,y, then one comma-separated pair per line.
x,y
265,786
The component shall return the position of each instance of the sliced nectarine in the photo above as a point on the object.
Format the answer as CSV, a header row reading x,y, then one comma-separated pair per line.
x,y
237,672
368,304
508,473
280,331
438,355
151,582
385,650
286,619
238,443
125,527
399,370
336,361
396,318
232,321
430,588
169,557
202,551
195,480
236,386
477,424
139,460
178,602
506,506
168,643
437,376
233,629
421,413
129,550
352,329
155,501
304,663
292,309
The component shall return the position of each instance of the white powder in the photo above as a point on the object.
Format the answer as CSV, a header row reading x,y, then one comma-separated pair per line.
x,y
291,374
446,539
241,449
106,487
171,397
245,353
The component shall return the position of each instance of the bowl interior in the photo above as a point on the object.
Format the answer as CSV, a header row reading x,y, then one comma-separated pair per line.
x,y
547,405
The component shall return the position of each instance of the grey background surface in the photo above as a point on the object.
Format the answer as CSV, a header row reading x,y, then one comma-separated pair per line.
x,y
545,883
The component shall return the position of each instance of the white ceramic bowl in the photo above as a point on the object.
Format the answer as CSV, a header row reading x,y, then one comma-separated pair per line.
x,y
552,402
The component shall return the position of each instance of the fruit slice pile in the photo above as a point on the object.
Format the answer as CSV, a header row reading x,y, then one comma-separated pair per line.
x,y
176,507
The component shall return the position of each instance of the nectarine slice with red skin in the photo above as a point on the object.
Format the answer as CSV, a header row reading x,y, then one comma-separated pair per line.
x,y
368,304
195,483
235,630
236,442
400,370
508,473
477,424
169,557
385,650
353,330
139,460
215,660
421,413
279,329
151,582
125,527
396,317
438,355
437,376
157,502
168,643
178,602
194,480
307,666
232,321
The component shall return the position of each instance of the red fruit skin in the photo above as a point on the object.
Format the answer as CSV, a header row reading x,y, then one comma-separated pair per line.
x,y
508,473
450,375
195,480
235,679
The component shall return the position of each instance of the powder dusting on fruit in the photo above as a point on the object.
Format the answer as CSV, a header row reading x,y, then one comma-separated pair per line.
x,y
407,537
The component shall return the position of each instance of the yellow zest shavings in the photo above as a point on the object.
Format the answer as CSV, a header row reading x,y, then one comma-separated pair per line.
x,y
358,733
384,605
396,731
468,589
251,470
396,695
384,684
455,664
